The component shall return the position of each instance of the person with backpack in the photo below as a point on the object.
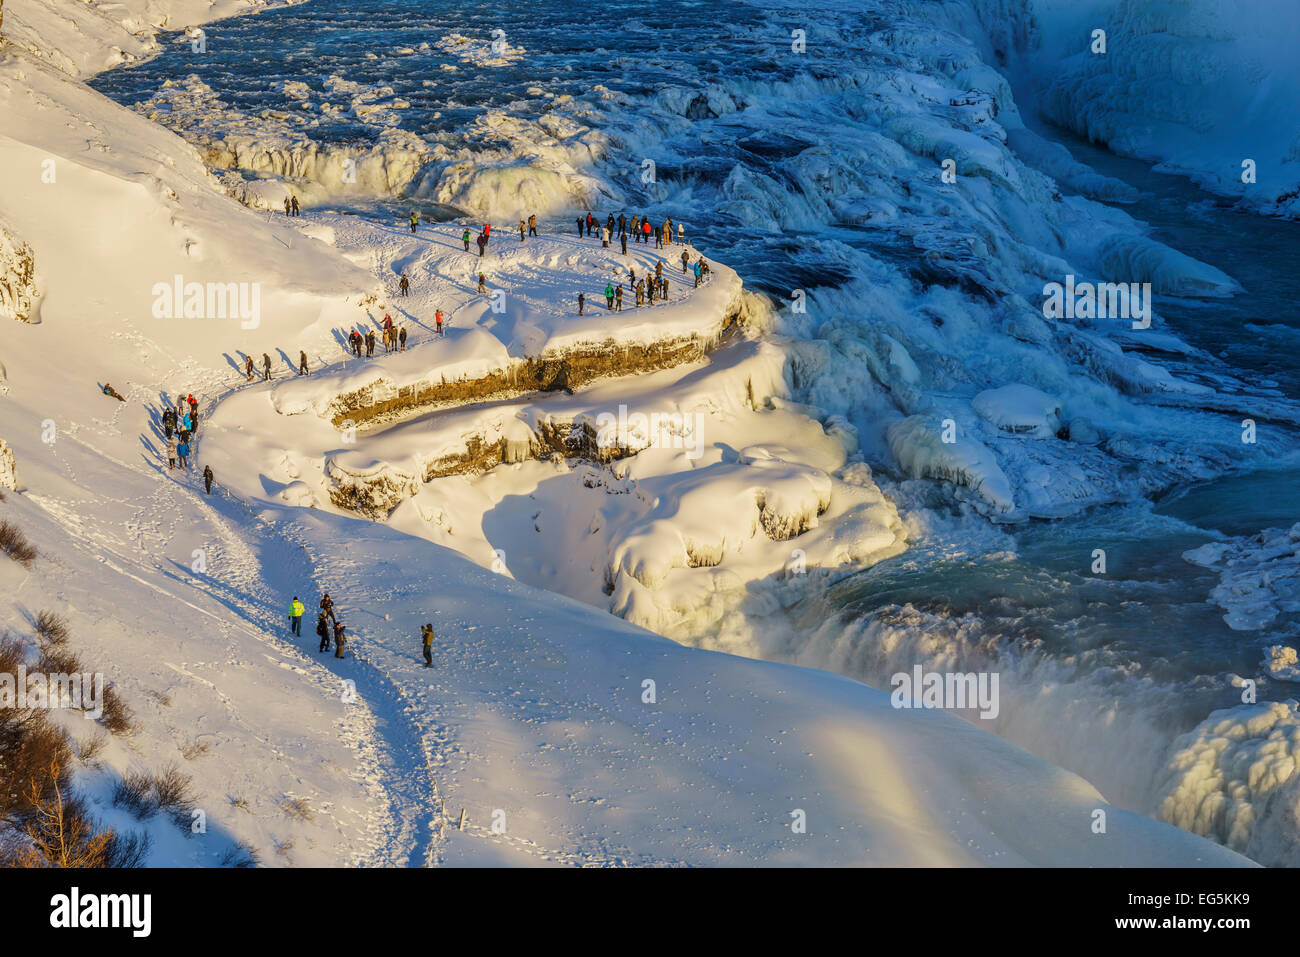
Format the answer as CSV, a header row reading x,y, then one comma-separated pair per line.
x,y
323,629
698,271
183,453
522,226
465,239
327,606
482,284
207,479
339,638
532,225
482,243
686,259
295,616
169,421
426,640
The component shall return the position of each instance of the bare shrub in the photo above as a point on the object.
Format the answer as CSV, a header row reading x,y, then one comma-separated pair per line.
x,y
14,544
237,802
92,747
129,850
117,717
134,793
173,792
30,745
241,855
51,628
194,749
59,830
298,808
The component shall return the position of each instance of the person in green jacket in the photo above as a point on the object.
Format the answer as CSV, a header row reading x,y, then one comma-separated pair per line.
x,y
465,239
295,616
609,295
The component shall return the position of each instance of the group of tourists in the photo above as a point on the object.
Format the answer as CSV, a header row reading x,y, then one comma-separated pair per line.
x,y
329,628
392,335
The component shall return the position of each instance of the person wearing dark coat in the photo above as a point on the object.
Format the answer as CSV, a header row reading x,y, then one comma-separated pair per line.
x,y
207,478
323,629
327,606
339,638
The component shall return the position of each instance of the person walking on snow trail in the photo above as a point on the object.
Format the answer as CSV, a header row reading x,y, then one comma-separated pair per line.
x,y
266,367
582,301
426,640
207,479
622,238
532,225
339,638
327,606
465,239
609,296
248,368
437,318
415,221
482,244
169,421
618,298
302,363
401,338
522,226
295,616
482,284
323,629
404,284
171,453
183,453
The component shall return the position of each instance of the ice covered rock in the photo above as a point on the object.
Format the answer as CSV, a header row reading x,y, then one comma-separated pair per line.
x,y
1020,410
19,296
918,444
8,475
